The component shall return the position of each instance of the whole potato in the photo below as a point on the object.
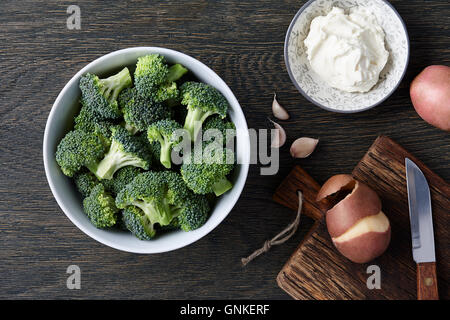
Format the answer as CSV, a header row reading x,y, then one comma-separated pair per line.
x,y
430,95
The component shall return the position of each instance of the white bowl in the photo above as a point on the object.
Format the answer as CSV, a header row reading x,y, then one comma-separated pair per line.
x,y
60,121
320,93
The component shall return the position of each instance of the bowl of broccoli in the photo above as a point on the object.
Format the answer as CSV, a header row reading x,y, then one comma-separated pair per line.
x,y
110,141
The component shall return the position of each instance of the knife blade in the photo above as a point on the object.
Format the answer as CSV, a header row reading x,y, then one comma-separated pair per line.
x,y
422,235
420,214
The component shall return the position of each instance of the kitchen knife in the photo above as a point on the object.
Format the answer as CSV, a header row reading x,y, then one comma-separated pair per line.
x,y
421,219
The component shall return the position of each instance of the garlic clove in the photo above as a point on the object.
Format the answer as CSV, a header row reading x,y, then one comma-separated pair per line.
x,y
279,137
303,147
278,111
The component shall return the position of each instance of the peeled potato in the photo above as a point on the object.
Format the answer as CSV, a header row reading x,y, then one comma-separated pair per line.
x,y
357,226
430,95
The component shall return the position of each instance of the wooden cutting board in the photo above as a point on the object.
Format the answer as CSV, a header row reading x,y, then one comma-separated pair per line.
x,y
316,270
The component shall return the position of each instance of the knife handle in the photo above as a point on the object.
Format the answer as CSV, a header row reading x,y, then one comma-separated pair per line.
x,y
427,281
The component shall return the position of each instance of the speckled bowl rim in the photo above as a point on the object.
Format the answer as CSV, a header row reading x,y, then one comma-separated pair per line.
x,y
294,81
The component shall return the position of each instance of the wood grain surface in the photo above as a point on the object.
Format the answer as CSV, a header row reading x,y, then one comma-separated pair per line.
x,y
243,42
317,270
427,283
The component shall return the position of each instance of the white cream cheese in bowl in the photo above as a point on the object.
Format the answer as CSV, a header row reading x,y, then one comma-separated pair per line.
x,y
347,51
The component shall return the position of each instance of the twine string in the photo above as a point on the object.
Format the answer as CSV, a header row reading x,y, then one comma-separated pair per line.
x,y
280,238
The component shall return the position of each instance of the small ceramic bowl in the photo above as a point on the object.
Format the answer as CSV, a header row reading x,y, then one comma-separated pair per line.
x,y
319,92
60,121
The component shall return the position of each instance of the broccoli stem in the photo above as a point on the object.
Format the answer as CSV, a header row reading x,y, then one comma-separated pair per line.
x,y
156,213
166,154
176,72
195,115
112,86
148,226
222,186
113,161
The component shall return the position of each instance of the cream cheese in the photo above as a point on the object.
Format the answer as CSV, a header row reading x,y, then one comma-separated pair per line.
x,y
347,51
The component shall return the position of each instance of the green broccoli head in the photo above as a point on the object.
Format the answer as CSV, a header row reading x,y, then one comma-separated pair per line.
x,y
202,101
190,210
125,150
100,95
166,91
207,172
138,223
125,96
85,182
121,178
154,149
155,79
151,71
163,132
77,149
227,129
163,197
147,192
140,112
176,190
91,122
100,207
194,213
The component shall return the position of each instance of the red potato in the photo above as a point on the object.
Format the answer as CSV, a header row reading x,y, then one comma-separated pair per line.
x,y
357,226
360,203
366,240
333,185
430,95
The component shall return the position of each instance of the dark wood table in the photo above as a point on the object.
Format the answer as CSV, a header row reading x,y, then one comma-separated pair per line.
x,y
243,42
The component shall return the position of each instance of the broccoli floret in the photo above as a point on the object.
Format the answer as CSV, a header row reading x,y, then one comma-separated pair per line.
x,y
163,196
151,71
85,182
125,150
194,213
140,112
138,223
100,207
207,173
176,190
154,79
226,128
147,191
77,149
125,96
166,91
191,210
91,122
202,101
121,178
100,95
154,149
163,132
